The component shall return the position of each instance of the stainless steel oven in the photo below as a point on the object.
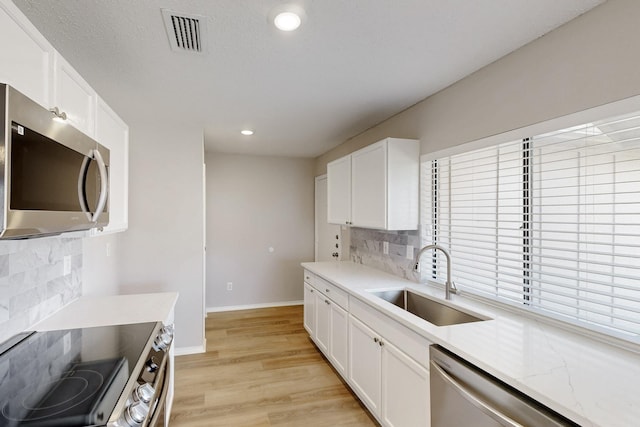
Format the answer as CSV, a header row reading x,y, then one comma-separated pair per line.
x,y
114,376
160,414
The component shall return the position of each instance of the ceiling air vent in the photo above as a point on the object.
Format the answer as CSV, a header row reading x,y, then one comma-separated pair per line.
x,y
186,32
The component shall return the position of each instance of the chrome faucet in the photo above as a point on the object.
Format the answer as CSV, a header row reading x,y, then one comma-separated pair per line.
x,y
449,287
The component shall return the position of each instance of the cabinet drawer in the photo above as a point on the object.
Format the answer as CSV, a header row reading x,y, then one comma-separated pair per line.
x,y
330,290
338,296
309,277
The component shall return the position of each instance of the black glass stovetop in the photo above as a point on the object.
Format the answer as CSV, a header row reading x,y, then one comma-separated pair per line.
x,y
68,378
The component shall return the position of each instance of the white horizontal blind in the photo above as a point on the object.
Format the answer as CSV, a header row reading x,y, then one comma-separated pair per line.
x,y
551,222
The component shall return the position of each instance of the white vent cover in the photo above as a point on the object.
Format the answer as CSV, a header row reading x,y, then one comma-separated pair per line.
x,y
186,33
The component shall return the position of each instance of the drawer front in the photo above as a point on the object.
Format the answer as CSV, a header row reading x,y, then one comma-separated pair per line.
x,y
330,290
309,277
338,295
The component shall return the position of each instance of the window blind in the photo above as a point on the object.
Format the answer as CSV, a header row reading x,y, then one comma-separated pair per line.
x,y
550,223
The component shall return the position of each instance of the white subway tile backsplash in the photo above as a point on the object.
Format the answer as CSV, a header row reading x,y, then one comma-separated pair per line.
x,y
32,284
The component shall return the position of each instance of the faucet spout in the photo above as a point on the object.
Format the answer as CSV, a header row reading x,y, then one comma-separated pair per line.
x,y
448,286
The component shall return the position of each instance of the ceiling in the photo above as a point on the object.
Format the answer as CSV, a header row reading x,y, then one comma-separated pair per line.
x,y
351,65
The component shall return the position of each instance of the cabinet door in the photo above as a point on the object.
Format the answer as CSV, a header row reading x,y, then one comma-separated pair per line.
x,y
323,322
74,96
369,186
405,390
113,133
309,309
26,56
364,364
338,343
339,191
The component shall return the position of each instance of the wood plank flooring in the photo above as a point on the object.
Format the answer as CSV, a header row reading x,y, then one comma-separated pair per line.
x,y
261,369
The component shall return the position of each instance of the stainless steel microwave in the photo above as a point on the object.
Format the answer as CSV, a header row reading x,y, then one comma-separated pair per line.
x,y
53,178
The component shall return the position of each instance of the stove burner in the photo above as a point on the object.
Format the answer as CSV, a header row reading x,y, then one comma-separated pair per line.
x,y
73,377
66,401
57,396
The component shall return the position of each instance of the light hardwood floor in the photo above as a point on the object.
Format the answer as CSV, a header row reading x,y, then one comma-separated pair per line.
x,y
261,369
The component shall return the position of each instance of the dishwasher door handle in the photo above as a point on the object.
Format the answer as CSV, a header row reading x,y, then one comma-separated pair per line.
x,y
476,401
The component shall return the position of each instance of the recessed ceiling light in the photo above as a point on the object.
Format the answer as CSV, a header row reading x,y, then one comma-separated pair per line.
x,y
287,21
246,132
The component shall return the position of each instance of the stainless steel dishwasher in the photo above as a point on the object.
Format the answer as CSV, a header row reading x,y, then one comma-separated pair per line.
x,y
464,395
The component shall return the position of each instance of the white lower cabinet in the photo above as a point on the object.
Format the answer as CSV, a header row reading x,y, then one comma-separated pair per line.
x,y
339,338
323,322
365,361
390,382
383,361
309,309
405,390
326,321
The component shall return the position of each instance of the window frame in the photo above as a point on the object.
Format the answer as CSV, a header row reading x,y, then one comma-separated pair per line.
x,y
524,135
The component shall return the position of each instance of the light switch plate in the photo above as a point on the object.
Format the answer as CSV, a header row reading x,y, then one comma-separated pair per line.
x,y
385,248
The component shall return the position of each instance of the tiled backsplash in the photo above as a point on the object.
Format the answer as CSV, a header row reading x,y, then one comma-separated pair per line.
x,y
32,280
367,248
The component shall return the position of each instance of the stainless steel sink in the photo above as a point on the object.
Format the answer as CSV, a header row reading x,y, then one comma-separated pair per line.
x,y
426,308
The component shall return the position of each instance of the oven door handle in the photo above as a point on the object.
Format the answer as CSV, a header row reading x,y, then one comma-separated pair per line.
x,y
476,401
162,400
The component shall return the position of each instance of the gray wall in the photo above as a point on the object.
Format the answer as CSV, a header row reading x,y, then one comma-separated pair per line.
x,y
587,62
32,283
100,273
163,249
253,204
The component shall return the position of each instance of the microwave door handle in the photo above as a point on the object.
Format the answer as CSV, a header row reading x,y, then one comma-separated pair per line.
x,y
102,168
81,189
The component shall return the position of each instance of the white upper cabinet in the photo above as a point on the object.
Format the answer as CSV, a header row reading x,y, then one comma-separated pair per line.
x,y
369,186
73,95
27,57
377,186
113,133
339,191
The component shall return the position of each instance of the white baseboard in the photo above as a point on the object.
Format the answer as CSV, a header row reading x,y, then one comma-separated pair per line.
x,y
182,351
252,306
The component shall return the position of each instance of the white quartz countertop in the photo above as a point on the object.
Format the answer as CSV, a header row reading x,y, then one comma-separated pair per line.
x,y
86,312
586,380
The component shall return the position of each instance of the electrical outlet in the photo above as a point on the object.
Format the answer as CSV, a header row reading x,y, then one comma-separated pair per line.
x,y
385,248
229,286
409,251
67,265
66,343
